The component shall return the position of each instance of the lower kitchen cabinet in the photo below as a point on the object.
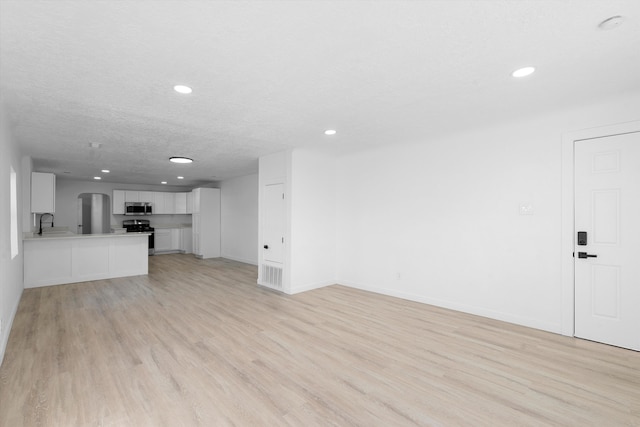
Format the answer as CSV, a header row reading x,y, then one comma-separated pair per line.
x,y
173,240
163,240
187,241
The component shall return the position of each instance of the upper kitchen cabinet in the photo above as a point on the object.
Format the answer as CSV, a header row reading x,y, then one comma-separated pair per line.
x,y
117,202
146,196
43,192
190,202
169,203
181,203
131,196
158,203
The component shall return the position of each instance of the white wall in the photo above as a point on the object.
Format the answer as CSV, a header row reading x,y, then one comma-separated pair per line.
x,y
239,218
313,220
439,222
67,191
11,276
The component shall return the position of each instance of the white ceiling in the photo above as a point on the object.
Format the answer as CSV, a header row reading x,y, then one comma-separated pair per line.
x,y
271,75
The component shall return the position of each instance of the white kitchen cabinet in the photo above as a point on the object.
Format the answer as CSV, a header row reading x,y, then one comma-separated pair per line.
x,y
180,203
169,203
158,202
117,202
186,244
176,239
43,192
189,202
131,196
162,241
206,222
146,196
195,200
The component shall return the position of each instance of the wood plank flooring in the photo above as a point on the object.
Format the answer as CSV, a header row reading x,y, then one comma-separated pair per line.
x,y
197,343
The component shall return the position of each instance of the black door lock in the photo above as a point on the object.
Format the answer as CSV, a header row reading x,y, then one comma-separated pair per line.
x,y
582,238
266,246
586,255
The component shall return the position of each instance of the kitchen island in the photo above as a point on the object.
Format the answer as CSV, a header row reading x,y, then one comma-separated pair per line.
x,y
55,259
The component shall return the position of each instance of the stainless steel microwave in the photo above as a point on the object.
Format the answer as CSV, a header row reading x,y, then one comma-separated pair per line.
x,y
138,208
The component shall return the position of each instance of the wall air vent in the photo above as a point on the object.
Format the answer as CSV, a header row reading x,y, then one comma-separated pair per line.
x,y
272,277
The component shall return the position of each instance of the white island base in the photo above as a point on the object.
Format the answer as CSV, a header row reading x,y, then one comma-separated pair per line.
x,y
55,260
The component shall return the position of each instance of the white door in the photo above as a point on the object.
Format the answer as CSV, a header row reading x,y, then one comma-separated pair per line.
x,y
607,267
273,220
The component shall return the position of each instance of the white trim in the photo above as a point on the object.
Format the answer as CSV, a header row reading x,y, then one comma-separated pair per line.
x,y
567,245
6,329
244,260
310,286
464,308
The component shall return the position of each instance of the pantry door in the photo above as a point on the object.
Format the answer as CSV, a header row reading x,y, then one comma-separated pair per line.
x,y
273,222
607,239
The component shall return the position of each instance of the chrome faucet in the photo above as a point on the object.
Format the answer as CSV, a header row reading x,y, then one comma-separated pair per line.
x,y
42,216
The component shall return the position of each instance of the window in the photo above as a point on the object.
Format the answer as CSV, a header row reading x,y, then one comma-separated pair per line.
x,y
14,213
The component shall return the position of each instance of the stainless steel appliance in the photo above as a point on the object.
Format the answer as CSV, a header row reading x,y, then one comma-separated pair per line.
x,y
94,213
138,208
141,226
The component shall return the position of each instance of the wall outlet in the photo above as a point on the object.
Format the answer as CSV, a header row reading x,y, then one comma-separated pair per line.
x,y
526,209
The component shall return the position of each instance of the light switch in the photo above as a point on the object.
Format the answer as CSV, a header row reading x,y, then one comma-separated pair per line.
x,y
526,209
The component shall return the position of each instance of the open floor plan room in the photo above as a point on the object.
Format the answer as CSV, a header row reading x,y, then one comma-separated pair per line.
x,y
196,342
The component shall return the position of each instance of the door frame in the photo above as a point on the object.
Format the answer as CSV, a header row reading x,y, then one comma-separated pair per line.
x,y
567,246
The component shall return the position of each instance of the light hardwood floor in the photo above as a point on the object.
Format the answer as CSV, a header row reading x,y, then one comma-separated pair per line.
x,y
196,342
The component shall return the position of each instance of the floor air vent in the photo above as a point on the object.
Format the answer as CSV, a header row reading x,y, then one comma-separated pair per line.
x,y
272,276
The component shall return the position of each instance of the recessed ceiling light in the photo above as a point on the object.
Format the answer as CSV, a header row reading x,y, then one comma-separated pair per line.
x,y
611,23
182,89
330,132
97,177
523,72
181,177
163,182
105,171
180,160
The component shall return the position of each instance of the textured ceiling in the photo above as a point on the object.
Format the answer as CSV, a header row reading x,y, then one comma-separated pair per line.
x,y
269,75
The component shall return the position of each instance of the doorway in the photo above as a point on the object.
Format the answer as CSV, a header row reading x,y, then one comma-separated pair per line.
x,y
94,213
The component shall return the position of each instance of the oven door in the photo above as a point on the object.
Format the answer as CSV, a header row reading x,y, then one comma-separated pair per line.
x,y
152,242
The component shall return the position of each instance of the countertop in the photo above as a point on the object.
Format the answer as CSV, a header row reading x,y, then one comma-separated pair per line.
x,y
170,226
70,235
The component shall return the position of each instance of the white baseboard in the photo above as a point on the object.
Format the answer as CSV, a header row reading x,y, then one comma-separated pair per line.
x,y
310,286
452,305
233,258
6,329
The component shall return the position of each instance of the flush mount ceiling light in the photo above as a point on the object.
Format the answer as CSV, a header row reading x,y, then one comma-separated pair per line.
x,y
105,171
523,72
611,23
182,89
330,132
180,160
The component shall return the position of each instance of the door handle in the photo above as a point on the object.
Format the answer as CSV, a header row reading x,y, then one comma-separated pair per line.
x,y
586,255
266,246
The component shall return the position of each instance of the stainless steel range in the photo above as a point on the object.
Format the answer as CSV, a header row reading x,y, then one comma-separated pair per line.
x,y
141,226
